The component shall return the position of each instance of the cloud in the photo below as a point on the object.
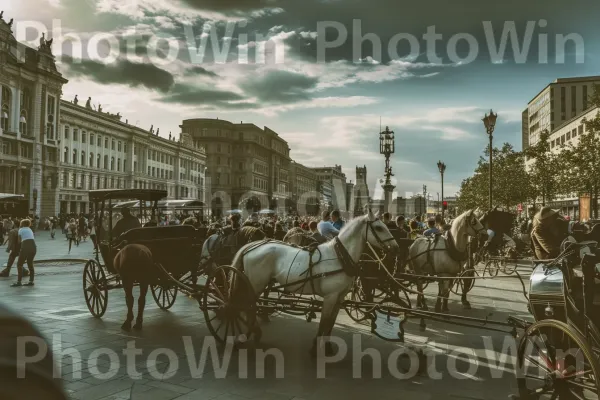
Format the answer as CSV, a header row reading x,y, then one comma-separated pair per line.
x,y
121,72
231,5
197,70
279,86
190,95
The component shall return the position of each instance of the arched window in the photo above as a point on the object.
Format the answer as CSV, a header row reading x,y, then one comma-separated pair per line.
x,y
23,123
98,162
99,141
105,162
66,155
118,164
83,158
92,160
112,163
5,109
74,156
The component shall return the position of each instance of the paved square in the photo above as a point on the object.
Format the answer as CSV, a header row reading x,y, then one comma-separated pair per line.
x,y
56,305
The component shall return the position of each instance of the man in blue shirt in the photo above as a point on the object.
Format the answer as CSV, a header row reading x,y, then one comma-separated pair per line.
x,y
432,230
336,220
326,228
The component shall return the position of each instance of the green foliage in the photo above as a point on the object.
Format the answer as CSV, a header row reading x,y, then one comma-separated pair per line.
x,y
545,170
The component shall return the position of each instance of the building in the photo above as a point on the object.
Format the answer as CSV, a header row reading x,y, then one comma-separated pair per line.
x,y
248,167
350,199
566,134
31,87
409,207
99,151
303,185
361,191
325,190
53,151
558,102
337,179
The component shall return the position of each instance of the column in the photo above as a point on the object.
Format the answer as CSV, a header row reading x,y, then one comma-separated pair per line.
x,y
36,173
1,106
16,111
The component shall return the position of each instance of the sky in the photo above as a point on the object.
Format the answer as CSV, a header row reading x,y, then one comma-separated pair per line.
x,y
299,67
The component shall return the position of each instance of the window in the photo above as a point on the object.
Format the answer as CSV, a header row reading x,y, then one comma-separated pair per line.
x,y
112,145
99,142
98,161
568,135
74,156
552,144
124,165
125,147
66,132
219,160
23,125
580,129
83,158
585,97
119,164
106,143
119,147
92,139
112,163
91,163
218,148
83,138
75,135
66,155
562,139
106,162
5,109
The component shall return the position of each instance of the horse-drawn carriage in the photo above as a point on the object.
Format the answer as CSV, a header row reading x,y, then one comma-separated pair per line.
x,y
175,249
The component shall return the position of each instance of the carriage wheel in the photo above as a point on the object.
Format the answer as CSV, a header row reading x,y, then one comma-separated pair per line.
x,y
491,268
510,266
395,298
164,296
94,288
229,305
354,298
555,361
464,283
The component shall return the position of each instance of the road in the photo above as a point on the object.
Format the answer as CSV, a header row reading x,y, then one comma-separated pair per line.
x,y
462,363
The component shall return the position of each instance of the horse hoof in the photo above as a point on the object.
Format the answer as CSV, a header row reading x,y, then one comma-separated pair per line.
x,y
126,327
138,326
466,306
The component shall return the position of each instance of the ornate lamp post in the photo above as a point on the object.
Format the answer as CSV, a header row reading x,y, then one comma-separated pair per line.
x,y
442,168
387,148
490,123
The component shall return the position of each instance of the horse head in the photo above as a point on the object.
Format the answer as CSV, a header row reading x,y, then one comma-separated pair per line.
x,y
473,225
378,235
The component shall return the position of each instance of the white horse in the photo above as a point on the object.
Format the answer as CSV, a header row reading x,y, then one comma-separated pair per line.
x,y
444,257
287,264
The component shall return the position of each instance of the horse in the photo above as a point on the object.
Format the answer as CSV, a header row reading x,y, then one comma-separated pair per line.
x,y
219,248
444,257
330,277
134,263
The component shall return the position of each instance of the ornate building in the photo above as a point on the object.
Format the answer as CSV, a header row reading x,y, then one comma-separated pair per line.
x,y
53,151
248,166
361,191
31,87
305,196
98,151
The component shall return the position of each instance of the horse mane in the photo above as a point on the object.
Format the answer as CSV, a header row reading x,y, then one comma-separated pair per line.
x,y
353,221
461,220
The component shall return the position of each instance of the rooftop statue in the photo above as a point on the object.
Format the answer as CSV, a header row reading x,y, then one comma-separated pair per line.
x,y
75,100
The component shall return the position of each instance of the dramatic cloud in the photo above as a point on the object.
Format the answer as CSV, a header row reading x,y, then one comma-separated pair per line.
x,y
280,86
197,70
186,94
121,72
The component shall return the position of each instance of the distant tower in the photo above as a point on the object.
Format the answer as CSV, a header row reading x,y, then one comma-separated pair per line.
x,y
361,191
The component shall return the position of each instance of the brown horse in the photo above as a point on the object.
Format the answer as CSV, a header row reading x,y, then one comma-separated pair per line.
x,y
134,262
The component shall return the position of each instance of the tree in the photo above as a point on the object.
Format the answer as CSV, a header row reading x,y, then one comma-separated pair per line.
x,y
511,183
580,161
545,170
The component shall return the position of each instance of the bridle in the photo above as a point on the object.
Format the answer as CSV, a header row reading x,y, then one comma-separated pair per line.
x,y
473,221
381,242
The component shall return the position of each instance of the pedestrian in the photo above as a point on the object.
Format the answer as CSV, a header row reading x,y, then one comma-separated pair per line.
x,y
325,227
387,220
72,234
401,232
13,249
336,221
92,228
279,233
314,233
53,224
432,229
27,252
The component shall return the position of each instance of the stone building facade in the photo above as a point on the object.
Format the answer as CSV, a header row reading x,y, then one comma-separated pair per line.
x,y
248,167
304,193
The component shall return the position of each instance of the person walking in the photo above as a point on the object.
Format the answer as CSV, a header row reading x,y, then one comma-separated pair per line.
x,y
27,252
13,249
325,227
53,223
72,234
336,221
92,228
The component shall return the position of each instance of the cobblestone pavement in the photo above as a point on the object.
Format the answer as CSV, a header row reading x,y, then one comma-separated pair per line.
x,y
56,304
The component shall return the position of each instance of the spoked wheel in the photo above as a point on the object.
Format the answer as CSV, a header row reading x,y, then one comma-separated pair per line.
x,y
556,362
355,297
492,267
229,305
164,295
95,288
465,283
395,298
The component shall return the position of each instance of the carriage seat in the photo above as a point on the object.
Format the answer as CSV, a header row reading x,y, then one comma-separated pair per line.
x,y
138,235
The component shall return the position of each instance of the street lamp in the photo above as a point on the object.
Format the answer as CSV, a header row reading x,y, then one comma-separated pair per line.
x,y
387,148
442,168
490,123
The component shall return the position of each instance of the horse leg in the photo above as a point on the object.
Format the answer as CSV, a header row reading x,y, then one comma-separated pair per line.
x,y
328,345
329,304
141,305
128,287
466,283
446,285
